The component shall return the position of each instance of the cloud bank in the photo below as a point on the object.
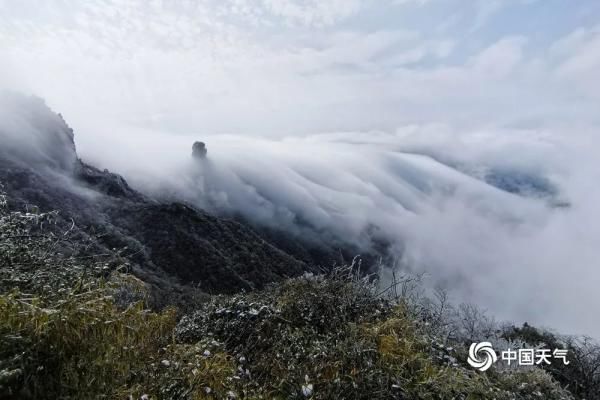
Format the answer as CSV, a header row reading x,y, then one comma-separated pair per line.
x,y
457,130
526,255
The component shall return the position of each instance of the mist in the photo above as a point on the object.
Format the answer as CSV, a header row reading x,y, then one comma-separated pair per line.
x,y
476,160
523,256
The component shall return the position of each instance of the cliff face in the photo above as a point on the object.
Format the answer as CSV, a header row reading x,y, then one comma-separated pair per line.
x,y
170,243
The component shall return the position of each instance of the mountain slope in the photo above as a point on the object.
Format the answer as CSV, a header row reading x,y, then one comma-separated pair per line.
x,y
173,243
70,329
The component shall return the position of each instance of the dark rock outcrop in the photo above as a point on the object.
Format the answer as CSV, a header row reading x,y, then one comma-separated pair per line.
x,y
199,150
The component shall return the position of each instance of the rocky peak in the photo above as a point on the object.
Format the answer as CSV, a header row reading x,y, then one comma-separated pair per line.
x,y
199,151
31,133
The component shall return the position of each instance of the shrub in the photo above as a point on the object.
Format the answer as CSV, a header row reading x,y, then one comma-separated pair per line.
x,y
333,337
80,346
70,325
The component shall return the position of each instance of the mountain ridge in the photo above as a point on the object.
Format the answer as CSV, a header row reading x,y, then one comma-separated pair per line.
x,y
170,242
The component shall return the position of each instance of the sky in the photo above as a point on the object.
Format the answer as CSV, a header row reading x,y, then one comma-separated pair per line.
x,y
290,67
350,114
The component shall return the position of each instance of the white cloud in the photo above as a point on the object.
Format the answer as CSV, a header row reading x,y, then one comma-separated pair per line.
x,y
312,12
581,63
403,2
501,58
292,68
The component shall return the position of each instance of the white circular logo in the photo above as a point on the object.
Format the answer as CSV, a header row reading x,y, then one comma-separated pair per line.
x,y
482,356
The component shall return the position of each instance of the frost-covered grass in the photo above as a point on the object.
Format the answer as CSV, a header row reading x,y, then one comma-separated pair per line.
x,y
65,329
329,337
73,327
